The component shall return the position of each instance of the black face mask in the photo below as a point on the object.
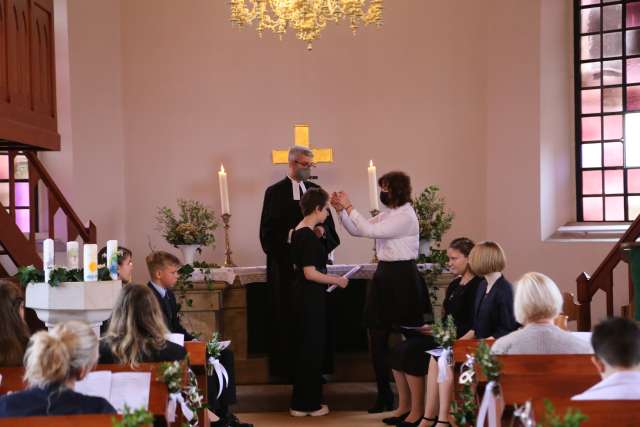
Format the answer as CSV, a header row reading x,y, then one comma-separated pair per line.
x,y
385,198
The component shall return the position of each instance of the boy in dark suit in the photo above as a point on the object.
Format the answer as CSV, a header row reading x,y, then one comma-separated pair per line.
x,y
163,270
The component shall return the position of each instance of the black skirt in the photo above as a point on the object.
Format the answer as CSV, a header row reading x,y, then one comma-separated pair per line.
x,y
410,356
397,296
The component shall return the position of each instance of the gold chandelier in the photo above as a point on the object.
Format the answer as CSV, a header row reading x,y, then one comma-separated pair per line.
x,y
306,17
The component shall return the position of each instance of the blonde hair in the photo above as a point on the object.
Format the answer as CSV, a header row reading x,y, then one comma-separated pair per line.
x,y
14,332
158,260
137,325
487,257
537,297
61,354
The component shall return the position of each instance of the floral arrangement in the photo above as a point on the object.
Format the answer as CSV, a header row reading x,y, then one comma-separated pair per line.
x,y
138,418
193,225
465,409
58,275
213,346
445,333
489,364
434,219
172,374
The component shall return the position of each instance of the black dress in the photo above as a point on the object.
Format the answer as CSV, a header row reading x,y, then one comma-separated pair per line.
x,y
312,337
494,310
409,355
171,352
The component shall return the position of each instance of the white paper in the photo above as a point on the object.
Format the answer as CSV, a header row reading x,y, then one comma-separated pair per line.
x,y
436,351
224,344
176,339
411,327
347,275
96,383
118,388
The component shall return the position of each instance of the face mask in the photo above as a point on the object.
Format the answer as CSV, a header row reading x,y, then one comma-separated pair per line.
x,y
303,174
385,198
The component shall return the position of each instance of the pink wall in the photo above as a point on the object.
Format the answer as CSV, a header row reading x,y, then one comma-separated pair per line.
x,y
472,96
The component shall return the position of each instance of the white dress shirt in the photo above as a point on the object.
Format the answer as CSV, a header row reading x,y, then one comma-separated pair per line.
x,y
624,385
396,231
162,291
297,186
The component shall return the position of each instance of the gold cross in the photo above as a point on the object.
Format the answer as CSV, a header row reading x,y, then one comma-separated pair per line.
x,y
301,134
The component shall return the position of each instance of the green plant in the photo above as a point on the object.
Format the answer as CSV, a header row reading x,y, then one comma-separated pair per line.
x,y
445,333
438,260
185,273
572,418
434,219
193,225
489,364
138,418
465,408
58,275
29,274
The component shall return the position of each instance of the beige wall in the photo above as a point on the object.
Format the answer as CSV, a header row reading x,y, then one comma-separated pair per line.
x,y
472,96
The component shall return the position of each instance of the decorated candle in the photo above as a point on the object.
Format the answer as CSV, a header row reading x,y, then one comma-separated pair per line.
x,y
373,187
73,255
48,251
112,258
224,191
90,262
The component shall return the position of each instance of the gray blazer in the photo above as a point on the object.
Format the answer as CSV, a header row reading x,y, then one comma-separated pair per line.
x,y
537,338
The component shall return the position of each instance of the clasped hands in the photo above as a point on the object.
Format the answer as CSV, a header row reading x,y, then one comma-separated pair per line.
x,y
339,200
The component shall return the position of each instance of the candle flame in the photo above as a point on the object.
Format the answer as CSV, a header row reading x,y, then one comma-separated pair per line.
x,y
370,163
221,168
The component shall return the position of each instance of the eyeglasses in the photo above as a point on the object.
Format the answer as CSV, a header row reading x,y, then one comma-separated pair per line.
x,y
305,165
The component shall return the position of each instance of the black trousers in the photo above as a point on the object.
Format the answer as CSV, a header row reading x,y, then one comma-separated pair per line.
x,y
379,343
228,397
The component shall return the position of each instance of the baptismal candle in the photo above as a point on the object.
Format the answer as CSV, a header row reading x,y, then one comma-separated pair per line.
x,y
73,255
112,258
90,262
224,191
48,251
373,187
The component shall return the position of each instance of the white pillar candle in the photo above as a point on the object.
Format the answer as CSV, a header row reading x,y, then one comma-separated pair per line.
x,y
48,251
73,255
224,191
373,187
90,262
112,258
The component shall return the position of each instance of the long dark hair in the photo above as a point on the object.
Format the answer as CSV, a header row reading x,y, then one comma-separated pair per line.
x,y
14,332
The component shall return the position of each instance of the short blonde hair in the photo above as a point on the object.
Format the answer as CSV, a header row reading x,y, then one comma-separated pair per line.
x,y
537,297
487,257
61,354
158,260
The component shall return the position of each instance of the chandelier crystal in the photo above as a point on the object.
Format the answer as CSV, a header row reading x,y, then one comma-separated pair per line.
x,y
306,17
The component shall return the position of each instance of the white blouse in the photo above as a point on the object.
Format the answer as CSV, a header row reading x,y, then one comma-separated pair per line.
x,y
396,231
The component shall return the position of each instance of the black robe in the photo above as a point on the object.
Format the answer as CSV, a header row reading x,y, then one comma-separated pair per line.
x,y
280,214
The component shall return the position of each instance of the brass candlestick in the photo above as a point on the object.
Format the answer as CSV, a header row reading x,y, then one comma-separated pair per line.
x,y
228,262
374,260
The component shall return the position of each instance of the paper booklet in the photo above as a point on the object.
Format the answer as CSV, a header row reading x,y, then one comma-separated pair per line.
x,y
347,275
176,339
119,388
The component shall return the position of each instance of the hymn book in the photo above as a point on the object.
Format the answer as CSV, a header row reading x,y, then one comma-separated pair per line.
x,y
119,388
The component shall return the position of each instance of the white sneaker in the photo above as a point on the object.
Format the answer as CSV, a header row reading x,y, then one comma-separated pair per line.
x,y
324,410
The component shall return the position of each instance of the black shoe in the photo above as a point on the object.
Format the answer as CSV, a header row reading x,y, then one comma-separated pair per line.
x,y
410,424
394,421
383,404
230,421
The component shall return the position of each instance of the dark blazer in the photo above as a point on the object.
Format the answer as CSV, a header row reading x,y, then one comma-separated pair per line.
x,y
494,311
170,312
51,400
169,353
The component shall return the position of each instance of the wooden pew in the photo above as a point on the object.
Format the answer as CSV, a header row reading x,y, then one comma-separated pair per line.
x,y
60,421
463,347
198,361
618,413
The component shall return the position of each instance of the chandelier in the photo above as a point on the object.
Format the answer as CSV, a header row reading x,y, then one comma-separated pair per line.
x,y
306,17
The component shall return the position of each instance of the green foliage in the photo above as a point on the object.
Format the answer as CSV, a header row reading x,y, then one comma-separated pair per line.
x,y
213,346
465,409
29,274
193,225
58,275
439,260
445,333
572,418
433,217
171,373
489,364
138,418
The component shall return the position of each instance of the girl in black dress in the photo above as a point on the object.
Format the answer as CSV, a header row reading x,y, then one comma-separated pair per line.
x,y
313,355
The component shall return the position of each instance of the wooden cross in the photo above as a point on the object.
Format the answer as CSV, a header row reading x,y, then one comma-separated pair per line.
x,y
301,134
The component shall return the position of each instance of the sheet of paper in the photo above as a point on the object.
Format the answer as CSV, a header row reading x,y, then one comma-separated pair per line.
x,y
176,339
96,383
347,275
131,388
413,328
224,344
436,351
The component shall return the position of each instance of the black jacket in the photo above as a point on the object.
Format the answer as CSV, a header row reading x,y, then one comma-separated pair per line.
x,y
494,311
169,309
169,353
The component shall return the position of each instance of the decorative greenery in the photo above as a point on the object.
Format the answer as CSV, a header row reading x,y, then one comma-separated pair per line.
x,y
445,334
434,219
213,346
30,274
172,374
489,364
185,283
438,260
465,409
572,418
138,418
194,224
58,275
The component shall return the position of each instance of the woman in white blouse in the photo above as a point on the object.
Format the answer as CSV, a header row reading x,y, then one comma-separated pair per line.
x,y
397,296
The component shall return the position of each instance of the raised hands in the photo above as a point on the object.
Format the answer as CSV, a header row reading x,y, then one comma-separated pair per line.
x,y
340,201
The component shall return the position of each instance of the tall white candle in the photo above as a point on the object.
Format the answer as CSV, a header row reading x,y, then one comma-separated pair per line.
x,y
112,258
224,191
73,255
48,251
90,262
373,187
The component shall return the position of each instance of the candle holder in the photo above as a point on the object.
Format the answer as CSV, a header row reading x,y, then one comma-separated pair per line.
x,y
374,260
228,262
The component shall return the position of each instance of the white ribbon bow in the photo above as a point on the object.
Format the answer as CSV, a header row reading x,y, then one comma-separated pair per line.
x,y
174,399
488,405
443,365
221,373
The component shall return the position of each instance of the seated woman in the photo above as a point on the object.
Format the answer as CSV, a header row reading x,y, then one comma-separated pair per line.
x,y
137,332
537,303
14,333
459,302
54,361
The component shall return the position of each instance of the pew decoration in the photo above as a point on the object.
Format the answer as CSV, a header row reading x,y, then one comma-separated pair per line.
x,y
57,275
464,409
173,374
214,349
445,335
490,367
523,414
571,418
133,418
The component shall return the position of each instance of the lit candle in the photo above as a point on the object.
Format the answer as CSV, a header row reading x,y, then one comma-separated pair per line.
x,y
224,191
373,187
90,262
48,251
73,255
112,258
